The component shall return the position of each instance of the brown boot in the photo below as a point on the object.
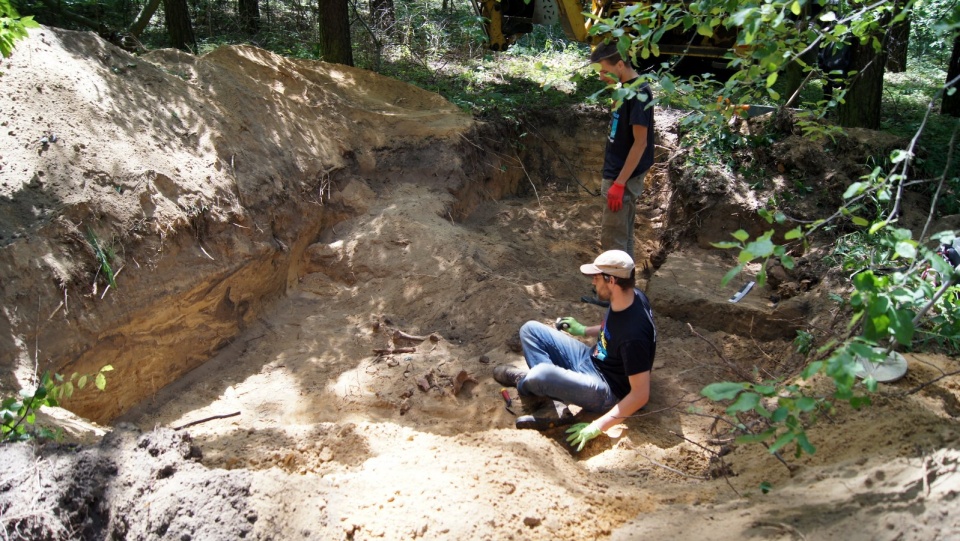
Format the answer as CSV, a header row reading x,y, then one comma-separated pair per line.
x,y
508,376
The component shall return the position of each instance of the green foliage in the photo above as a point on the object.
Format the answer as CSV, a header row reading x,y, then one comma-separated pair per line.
x,y
769,411
905,99
20,412
803,342
722,147
929,37
103,255
893,301
13,27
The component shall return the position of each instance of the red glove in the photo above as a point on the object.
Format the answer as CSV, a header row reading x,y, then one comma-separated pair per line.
x,y
615,197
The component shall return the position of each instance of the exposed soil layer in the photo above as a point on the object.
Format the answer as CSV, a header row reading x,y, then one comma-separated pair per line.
x,y
316,270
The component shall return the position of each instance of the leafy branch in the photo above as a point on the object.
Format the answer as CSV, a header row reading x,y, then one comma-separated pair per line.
x,y
887,308
19,412
13,27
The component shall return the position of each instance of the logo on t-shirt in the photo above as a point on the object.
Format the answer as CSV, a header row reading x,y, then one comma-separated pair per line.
x,y
601,352
613,125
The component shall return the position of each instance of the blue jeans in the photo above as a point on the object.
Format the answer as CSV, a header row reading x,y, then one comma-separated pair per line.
x,y
561,368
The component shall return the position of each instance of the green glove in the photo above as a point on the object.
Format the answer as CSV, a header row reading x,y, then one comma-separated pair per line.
x,y
572,326
581,433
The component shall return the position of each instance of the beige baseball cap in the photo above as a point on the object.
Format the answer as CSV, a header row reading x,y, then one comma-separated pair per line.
x,y
613,262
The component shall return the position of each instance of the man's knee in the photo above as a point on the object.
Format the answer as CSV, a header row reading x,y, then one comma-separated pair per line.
x,y
530,328
533,381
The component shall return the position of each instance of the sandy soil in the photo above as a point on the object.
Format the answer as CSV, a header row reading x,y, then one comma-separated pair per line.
x,y
308,432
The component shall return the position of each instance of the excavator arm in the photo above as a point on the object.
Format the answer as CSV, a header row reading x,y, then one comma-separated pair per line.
x,y
506,20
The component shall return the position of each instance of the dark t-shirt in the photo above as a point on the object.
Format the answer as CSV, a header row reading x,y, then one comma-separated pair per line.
x,y
627,344
620,136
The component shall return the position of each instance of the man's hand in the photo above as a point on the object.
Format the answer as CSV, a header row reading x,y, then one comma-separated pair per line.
x,y
573,326
581,433
615,197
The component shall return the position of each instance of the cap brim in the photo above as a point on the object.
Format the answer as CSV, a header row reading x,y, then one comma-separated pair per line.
x,y
590,268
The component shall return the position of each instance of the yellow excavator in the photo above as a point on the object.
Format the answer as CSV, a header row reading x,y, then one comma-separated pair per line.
x,y
507,20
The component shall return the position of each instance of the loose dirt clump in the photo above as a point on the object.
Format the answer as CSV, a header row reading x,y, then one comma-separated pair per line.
x,y
316,271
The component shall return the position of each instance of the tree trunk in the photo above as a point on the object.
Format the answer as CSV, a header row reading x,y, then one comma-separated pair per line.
x,y
249,11
897,55
861,103
951,104
335,32
383,14
179,27
143,18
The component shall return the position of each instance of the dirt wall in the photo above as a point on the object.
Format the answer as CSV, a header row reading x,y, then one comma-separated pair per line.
x,y
200,180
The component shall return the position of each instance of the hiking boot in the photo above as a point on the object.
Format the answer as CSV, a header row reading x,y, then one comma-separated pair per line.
x,y
533,403
550,417
594,300
508,376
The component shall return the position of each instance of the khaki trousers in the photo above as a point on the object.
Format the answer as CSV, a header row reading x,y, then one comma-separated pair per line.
x,y
616,228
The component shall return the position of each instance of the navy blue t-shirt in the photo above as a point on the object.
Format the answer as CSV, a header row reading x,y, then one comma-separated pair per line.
x,y
627,344
632,112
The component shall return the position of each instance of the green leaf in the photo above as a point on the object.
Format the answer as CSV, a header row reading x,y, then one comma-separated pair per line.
x,y
762,247
903,328
756,438
858,402
805,403
795,233
795,7
741,235
859,221
746,401
877,226
804,444
771,79
780,414
82,382
725,245
101,381
724,390
784,439
906,249
107,368
730,275
765,390
787,262
765,487
854,189
667,84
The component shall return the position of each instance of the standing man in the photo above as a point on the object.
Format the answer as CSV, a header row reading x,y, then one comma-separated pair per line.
x,y
613,376
629,152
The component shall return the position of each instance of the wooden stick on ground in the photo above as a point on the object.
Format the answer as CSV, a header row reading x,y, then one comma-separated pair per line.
x,y
389,351
205,419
